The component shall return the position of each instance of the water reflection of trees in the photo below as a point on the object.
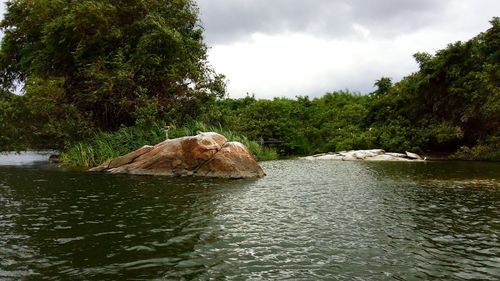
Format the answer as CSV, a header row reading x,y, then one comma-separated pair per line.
x,y
70,224
455,230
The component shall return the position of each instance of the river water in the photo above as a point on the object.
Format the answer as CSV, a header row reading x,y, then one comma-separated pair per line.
x,y
307,220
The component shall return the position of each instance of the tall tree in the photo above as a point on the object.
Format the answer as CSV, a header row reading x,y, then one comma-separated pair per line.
x,y
111,58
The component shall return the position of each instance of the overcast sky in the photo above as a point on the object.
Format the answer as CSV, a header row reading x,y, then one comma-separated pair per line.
x,y
296,47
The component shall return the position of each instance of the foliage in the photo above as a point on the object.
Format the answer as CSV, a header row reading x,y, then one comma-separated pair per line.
x,y
102,62
489,150
452,102
298,126
34,121
104,145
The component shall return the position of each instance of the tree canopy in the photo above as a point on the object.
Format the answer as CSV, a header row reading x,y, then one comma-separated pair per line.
x,y
454,100
107,60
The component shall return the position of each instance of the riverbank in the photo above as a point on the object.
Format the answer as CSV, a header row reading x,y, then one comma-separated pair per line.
x,y
106,145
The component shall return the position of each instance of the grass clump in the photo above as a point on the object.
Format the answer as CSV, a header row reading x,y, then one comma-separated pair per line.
x,y
107,145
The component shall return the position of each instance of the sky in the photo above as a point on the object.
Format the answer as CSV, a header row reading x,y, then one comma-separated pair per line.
x,y
288,48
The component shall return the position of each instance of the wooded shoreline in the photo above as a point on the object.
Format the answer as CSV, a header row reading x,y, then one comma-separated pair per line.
x,y
97,95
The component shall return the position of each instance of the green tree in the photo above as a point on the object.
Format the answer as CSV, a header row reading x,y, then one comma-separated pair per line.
x,y
452,101
109,58
383,85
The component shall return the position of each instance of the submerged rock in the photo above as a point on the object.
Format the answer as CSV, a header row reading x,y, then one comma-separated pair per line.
x,y
206,154
366,155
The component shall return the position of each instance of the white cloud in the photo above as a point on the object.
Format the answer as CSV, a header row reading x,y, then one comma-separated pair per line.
x,y
361,30
300,64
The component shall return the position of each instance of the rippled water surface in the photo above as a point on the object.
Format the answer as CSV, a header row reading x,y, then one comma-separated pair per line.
x,y
321,220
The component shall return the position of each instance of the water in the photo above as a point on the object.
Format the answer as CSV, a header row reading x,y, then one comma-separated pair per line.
x,y
25,157
323,220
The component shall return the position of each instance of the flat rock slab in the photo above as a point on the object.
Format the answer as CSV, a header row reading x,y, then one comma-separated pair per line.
x,y
366,155
206,155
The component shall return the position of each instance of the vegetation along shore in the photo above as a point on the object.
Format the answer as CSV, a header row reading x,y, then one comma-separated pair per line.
x,y
96,86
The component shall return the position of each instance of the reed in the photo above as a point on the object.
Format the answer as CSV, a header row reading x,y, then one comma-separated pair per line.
x,y
107,145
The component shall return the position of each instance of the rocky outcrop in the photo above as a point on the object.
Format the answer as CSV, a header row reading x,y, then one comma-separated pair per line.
x,y
206,154
366,155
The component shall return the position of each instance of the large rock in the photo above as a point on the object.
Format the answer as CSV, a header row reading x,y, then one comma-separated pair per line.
x,y
206,154
234,160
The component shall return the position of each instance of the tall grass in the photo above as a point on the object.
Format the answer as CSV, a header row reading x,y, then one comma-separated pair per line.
x,y
105,146
261,153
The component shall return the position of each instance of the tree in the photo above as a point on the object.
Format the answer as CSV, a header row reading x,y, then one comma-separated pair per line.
x,y
110,57
452,101
383,85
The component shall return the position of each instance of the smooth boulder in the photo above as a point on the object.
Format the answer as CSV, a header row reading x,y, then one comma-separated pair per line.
x,y
206,154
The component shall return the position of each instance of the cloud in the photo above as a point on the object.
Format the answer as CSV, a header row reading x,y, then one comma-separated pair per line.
x,y
229,20
291,47
301,64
